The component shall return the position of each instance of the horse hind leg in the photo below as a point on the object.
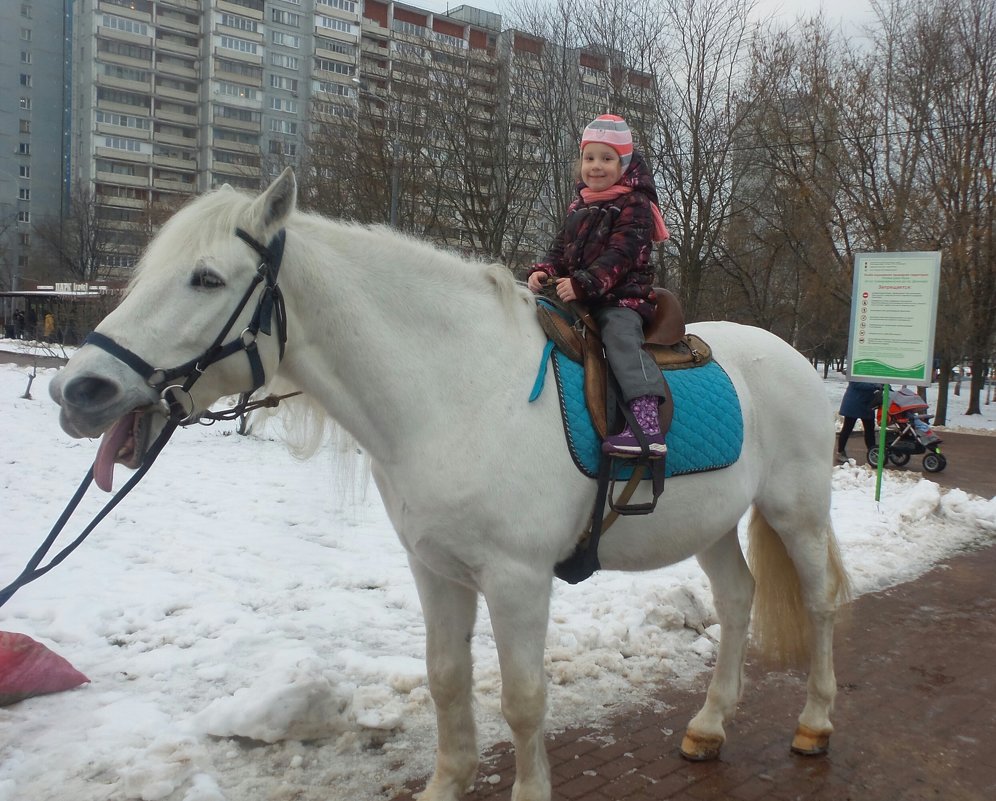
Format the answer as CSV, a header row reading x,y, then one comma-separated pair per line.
x,y
801,582
733,590
450,610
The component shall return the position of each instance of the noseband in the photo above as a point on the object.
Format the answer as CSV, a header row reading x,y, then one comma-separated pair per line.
x,y
270,305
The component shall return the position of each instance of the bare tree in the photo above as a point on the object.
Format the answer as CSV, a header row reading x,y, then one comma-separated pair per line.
x,y
81,243
961,148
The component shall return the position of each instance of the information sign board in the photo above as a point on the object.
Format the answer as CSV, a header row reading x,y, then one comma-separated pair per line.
x,y
893,316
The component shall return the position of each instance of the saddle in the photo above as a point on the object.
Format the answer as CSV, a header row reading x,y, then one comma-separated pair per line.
x,y
574,331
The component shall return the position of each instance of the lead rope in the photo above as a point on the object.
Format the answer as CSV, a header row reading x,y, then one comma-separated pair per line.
x,y
32,571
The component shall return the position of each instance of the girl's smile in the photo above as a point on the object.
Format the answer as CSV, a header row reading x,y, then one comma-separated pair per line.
x,y
601,166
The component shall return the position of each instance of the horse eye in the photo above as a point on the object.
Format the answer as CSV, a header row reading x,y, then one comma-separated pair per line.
x,y
206,279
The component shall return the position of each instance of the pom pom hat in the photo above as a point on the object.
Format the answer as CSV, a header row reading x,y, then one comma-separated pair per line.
x,y
612,131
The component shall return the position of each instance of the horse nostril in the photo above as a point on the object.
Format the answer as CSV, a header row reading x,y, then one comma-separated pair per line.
x,y
89,391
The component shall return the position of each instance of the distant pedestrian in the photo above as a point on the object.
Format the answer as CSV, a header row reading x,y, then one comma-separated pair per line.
x,y
859,403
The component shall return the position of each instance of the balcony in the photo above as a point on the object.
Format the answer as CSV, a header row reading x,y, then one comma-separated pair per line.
x,y
171,23
241,170
122,179
173,163
242,11
170,185
253,126
174,115
237,55
168,67
179,46
181,95
176,139
139,87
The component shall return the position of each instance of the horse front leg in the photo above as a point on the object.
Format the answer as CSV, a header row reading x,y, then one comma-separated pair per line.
x,y
519,606
449,609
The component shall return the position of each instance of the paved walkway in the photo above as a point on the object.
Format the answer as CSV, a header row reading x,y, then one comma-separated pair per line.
x,y
915,716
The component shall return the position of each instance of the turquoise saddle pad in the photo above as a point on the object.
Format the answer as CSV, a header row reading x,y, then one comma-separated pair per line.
x,y
707,431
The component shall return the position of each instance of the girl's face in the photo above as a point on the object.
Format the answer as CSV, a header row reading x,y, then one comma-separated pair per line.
x,y
600,166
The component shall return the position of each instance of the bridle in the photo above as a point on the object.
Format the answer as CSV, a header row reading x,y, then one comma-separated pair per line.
x,y
270,305
269,309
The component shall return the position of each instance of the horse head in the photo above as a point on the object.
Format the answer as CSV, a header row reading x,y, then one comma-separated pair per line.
x,y
202,318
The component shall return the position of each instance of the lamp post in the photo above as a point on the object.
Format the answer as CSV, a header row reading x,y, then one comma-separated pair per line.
x,y
391,105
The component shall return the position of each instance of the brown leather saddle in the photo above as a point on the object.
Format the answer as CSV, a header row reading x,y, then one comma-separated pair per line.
x,y
575,332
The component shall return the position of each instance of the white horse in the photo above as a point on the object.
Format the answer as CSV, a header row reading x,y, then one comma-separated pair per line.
x,y
427,360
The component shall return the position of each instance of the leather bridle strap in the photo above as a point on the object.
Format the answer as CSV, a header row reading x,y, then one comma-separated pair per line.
x,y
270,305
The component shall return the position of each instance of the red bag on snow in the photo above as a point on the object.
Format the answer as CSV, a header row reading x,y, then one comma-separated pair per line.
x,y
28,668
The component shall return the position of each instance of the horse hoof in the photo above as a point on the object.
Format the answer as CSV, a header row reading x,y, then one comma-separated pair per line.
x,y
700,747
809,742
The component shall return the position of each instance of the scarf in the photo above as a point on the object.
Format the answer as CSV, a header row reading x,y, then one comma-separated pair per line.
x,y
613,192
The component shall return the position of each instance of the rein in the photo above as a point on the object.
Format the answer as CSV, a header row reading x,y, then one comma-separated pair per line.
x,y
270,305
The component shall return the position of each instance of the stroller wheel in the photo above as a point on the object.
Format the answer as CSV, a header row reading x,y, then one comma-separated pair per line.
x,y
873,457
934,462
898,459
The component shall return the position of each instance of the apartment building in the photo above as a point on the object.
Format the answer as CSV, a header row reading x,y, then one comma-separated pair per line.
x,y
175,97
34,92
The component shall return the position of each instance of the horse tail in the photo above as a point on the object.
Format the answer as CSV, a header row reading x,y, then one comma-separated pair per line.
x,y
780,623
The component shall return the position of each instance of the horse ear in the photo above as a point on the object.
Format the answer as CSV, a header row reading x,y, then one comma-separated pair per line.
x,y
272,207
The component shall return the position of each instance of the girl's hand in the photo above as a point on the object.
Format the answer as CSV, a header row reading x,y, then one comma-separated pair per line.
x,y
536,280
565,290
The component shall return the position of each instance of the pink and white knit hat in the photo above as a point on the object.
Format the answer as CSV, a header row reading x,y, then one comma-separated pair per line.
x,y
612,131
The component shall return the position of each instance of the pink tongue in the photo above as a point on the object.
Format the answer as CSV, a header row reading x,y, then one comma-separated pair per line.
x,y
103,465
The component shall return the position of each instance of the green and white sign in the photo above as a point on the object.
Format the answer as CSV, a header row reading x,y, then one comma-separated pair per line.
x,y
893,316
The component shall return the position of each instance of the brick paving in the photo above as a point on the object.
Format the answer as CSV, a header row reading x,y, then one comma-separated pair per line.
x,y
915,716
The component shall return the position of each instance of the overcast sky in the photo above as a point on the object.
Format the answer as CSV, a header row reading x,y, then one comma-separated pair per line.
x,y
851,10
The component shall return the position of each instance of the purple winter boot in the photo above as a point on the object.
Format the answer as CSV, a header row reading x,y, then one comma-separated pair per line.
x,y
625,442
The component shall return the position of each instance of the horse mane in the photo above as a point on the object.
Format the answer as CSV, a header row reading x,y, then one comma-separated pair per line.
x,y
199,223
301,422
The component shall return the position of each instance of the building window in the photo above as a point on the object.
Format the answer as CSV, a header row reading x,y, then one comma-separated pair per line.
x,y
26,10
285,39
234,43
25,34
25,239
123,120
283,82
345,5
285,60
23,193
25,79
328,65
333,24
24,216
285,17
239,23
24,126
24,148
24,170
283,104
278,147
25,103
125,25
283,126
236,90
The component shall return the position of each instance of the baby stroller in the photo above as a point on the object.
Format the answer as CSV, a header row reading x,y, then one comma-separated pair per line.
x,y
908,433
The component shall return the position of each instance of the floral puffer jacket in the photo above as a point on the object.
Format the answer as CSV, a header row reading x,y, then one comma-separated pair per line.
x,y
605,247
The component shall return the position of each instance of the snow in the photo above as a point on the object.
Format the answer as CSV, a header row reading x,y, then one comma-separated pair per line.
x,y
252,633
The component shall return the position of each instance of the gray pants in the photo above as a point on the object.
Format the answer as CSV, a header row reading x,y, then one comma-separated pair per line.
x,y
622,336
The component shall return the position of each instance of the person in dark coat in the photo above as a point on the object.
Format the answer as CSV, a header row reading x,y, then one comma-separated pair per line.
x,y
601,257
859,403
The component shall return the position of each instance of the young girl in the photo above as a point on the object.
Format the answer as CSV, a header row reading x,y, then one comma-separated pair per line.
x,y
601,257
